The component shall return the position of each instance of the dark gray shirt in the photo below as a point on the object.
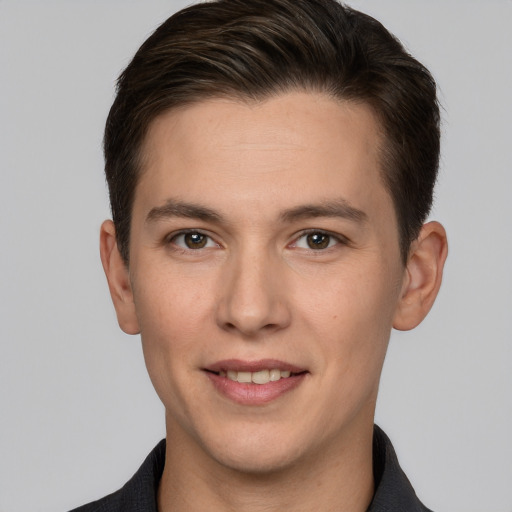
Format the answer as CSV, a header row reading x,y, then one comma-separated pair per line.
x,y
393,491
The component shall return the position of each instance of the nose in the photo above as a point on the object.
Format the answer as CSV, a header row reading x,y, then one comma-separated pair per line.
x,y
253,299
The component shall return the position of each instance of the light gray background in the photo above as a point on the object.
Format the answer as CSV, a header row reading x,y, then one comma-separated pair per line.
x,y
77,411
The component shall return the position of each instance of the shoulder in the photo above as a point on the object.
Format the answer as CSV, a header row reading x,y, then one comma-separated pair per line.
x,y
139,493
110,503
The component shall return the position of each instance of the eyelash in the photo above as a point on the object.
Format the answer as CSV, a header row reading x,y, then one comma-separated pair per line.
x,y
171,240
339,240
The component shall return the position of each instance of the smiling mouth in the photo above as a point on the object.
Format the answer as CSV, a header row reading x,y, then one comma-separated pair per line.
x,y
260,372
259,377
254,383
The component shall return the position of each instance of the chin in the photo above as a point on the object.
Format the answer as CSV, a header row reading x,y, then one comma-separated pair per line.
x,y
257,452
259,463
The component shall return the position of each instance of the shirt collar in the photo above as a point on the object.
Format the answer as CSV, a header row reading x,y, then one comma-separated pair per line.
x,y
393,491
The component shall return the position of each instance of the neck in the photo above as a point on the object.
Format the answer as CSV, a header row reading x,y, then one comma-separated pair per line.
x,y
338,478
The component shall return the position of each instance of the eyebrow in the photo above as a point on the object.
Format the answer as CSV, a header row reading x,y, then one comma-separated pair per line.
x,y
173,208
337,208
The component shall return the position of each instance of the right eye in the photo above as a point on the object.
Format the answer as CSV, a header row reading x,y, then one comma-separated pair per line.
x,y
192,240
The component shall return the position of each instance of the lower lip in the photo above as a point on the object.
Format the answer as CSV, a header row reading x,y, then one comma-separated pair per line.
x,y
254,394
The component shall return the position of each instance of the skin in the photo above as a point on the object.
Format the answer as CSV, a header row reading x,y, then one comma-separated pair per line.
x,y
258,290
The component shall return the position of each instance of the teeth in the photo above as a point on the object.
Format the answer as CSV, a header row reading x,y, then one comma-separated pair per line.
x,y
243,377
275,375
261,377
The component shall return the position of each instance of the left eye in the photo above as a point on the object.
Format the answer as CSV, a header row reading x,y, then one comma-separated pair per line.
x,y
316,240
192,240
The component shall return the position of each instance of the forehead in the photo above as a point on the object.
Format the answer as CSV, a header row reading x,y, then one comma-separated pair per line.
x,y
260,153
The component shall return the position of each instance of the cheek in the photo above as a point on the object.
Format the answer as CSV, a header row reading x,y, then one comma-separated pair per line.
x,y
170,308
353,314
171,315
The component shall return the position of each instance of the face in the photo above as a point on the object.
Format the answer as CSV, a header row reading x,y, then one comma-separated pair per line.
x,y
265,274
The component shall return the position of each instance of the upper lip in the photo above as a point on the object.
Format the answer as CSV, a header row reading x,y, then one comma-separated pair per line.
x,y
240,365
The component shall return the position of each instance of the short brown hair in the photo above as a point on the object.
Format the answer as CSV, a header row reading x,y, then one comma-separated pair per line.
x,y
253,49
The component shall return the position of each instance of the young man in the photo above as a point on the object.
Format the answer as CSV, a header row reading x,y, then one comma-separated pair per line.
x,y
271,165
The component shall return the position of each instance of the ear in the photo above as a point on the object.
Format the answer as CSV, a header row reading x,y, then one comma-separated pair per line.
x,y
118,279
423,276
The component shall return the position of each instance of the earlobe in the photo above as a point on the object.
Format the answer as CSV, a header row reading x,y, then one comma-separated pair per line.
x,y
423,276
118,279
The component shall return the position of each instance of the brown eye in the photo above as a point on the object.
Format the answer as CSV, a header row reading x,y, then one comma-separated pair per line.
x,y
318,240
313,240
192,240
195,240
